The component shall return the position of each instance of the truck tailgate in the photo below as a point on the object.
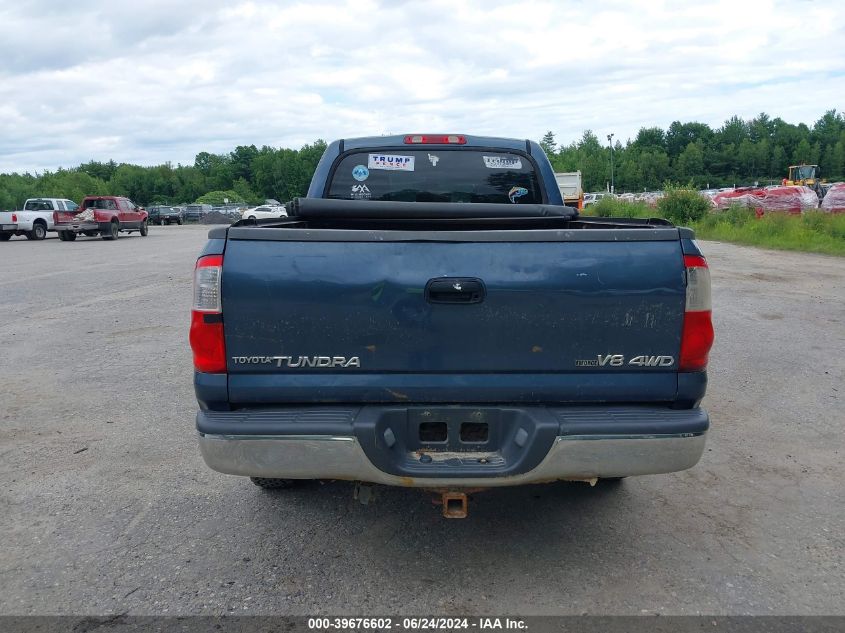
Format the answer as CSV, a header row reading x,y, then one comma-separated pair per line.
x,y
6,223
65,217
537,320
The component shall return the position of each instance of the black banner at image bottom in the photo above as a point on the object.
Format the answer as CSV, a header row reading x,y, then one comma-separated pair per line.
x,y
516,624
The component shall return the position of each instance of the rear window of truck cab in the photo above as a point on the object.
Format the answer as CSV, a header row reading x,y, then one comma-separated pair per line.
x,y
436,175
38,205
97,203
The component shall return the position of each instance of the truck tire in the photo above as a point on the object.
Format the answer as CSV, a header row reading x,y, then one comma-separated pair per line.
x,y
272,484
179,222
5,237
144,229
111,232
38,232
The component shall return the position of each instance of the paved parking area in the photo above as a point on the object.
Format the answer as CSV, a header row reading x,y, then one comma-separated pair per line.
x,y
106,506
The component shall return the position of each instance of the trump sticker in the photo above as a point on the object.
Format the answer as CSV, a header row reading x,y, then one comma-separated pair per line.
x,y
391,162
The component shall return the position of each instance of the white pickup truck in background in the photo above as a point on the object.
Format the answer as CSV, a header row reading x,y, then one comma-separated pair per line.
x,y
35,219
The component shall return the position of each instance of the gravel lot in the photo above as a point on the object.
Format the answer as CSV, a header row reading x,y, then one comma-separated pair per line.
x,y
106,506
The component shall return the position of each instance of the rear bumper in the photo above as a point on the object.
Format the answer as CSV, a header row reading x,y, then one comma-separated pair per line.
x,y
353,444
342,458
77,227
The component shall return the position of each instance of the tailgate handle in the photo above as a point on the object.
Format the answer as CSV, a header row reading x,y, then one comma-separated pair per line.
x,y
455,290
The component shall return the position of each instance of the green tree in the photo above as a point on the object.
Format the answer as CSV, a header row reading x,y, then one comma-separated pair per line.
x,y
241,161
133,182
760,127
762,151
745,159
73,184
593,161
733,132
778,164
189,184
103,171
202,162
690,165
650,138
654,169
627,171
785,135
837,168
548,143
219,197
827,129
162,185
680,135
803,153
245,192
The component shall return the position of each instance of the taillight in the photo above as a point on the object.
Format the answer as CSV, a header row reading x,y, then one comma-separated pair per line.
x,y
207,317
14,218
435,139
697,334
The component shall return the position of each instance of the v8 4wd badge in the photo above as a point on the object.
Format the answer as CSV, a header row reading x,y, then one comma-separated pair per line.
x,y
618,360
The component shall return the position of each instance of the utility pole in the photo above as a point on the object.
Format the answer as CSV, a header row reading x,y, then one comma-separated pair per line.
x,y
610,141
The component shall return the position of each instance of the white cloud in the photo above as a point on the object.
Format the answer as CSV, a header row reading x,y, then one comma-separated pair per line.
x,y
153,81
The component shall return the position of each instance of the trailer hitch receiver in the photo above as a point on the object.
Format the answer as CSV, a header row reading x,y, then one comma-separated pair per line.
x,y
454,505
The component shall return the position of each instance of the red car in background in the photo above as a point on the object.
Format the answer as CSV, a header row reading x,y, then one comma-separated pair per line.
x,y
106,216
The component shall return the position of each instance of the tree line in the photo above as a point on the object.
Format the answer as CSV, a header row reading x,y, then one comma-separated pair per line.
x,y
247,174
739,152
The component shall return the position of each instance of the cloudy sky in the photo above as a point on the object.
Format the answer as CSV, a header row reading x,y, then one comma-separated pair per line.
x,y
153,81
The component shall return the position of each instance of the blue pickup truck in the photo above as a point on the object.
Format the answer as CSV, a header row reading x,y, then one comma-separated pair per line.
x,y
431,315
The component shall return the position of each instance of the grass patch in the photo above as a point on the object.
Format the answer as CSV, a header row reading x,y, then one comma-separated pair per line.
x,y
813,232
614,208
